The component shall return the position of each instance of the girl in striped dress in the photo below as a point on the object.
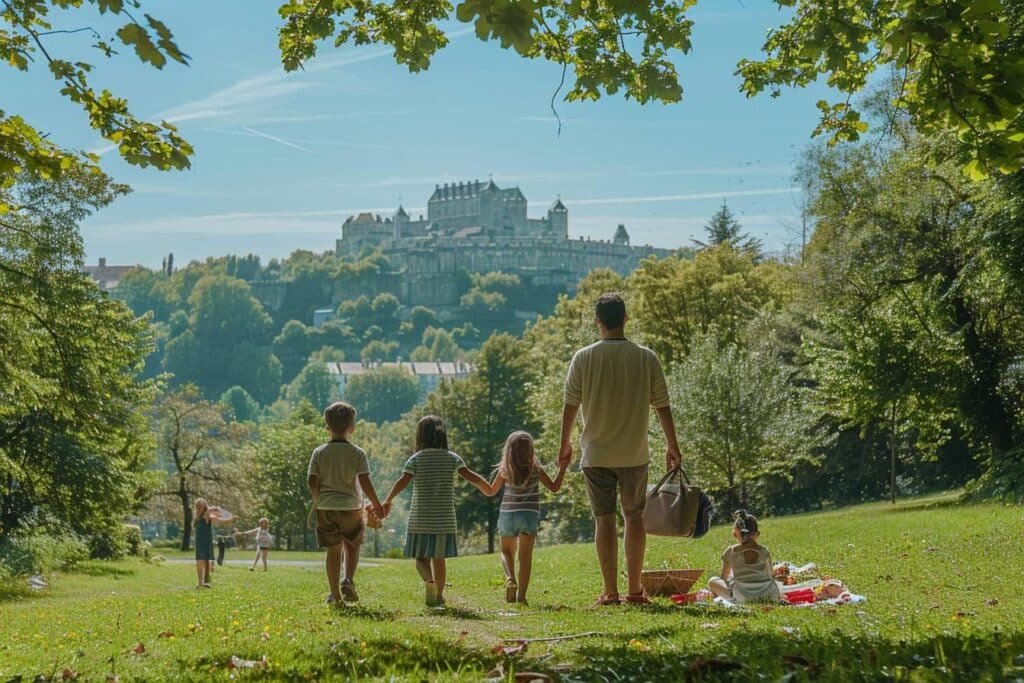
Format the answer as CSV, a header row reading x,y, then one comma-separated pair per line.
x,y
519,516
431,534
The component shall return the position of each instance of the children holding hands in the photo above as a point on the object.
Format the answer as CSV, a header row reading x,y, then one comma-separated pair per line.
x,y
338,478
432,527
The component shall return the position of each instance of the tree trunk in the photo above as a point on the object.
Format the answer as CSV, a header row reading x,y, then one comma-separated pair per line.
x,y
892,453
186,513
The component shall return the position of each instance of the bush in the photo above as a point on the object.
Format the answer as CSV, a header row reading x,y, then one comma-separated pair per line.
x,y
11,587
133,539
109,544
41,553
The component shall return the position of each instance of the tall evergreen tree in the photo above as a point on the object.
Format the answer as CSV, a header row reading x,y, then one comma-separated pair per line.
x,y
723,228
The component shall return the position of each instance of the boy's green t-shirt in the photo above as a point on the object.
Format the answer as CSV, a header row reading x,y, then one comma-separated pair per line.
x,y
338,464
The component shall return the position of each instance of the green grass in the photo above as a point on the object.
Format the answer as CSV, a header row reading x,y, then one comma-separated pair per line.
x,y
944,584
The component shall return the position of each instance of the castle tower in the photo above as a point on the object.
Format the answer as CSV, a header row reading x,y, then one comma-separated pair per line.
x,y
401,222
558,220
621,236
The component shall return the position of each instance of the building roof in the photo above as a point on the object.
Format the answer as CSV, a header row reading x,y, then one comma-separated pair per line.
x,y
107,277
558,205
401,212
621,234
419,369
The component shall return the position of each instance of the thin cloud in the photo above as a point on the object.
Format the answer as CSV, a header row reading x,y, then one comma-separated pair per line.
x,y
280,141
696,196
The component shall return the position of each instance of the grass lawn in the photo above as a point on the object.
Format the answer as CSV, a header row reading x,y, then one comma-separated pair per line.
x,y
943,580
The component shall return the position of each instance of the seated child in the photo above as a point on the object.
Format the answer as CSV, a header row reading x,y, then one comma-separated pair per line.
x,y
746,566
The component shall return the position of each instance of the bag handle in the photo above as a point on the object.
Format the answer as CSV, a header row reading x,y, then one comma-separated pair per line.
x,y
674,473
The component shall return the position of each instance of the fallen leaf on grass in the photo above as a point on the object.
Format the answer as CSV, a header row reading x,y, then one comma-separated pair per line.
x,y
111,678
709,625
517,648
165,634
462,637
495,674
139,648
992,602
237,662
69,675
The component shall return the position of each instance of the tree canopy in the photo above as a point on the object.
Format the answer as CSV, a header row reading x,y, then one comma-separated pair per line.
x,y
959,63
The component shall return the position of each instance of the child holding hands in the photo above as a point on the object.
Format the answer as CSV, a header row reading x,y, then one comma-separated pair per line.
x,y
520,473
431,534
339,476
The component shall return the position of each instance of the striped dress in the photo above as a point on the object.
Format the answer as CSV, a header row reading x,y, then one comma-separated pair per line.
x,y
432,527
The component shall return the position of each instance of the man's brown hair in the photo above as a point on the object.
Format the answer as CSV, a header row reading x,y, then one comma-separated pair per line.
x,y
339,416
610,309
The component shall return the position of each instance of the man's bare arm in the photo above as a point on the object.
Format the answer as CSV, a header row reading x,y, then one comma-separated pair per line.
x,y
568,420
673,458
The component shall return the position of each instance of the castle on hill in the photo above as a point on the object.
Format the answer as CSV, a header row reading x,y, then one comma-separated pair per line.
x,y
480,227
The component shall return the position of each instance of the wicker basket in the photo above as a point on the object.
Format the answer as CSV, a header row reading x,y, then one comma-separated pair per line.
x,y
668,582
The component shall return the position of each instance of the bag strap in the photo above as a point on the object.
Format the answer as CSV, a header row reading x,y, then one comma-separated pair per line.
x,y
674,473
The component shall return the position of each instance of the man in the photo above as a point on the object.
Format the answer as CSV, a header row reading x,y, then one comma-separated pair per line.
x,y
613,383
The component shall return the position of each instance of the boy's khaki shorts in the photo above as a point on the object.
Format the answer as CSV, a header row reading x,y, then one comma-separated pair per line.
x,y
628,484
334,527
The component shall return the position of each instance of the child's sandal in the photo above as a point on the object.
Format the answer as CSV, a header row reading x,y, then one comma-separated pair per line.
x,y
511,589
604,600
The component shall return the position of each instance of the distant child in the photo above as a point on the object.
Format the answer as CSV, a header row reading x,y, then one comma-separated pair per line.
x,y
261,534
520,473
204,516
339,476
749,564
431,534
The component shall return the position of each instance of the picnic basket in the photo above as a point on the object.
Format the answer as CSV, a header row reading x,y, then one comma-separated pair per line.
x,y
668,582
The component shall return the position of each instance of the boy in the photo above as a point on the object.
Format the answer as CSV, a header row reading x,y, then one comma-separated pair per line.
x,y
339,475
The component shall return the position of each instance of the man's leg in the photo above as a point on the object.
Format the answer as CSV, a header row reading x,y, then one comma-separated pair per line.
x,y
607,541
602,484
633,493
635,542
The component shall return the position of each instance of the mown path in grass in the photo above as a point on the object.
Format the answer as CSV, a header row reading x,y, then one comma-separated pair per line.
x,y
943,582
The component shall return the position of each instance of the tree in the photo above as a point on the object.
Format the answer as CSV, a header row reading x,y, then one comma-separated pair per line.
x,y
481,411
378,351
243,406
314,384
675,299
195,441
928,268
958,61
281,461
742,420
73,436
723,228
383,394
25,34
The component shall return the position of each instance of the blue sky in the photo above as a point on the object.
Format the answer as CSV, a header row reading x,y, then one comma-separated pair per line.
x,y
281,160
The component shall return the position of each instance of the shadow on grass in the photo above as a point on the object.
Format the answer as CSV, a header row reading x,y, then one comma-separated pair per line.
x,y
928,504
423,658
455,612
750,656
362,612
101,568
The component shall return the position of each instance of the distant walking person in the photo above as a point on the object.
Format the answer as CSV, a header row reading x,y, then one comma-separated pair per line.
x,y
613,384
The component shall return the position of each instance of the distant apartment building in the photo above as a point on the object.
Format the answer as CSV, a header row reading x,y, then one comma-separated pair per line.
x,y
428,373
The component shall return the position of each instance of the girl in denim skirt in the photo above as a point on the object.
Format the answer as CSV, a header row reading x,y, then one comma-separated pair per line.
x,y
521,475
